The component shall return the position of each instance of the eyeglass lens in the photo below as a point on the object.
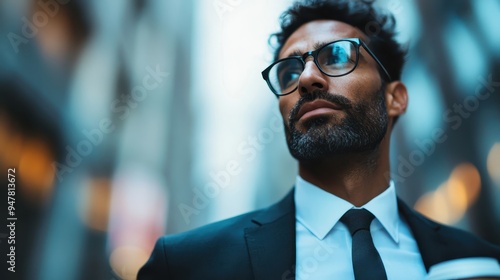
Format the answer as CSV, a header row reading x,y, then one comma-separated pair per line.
x,y
335,59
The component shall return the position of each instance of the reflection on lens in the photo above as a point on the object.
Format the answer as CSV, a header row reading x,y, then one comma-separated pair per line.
x,y
337,58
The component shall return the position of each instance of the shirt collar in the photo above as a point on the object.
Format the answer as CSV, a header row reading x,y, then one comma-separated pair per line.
x,y
311,200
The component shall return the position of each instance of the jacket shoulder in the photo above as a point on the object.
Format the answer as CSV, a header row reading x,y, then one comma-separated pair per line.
x,y
224,230
218,245
463,244
439,242
221,245
232,229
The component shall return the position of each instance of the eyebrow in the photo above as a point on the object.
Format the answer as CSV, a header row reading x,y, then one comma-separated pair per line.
x,y
316,45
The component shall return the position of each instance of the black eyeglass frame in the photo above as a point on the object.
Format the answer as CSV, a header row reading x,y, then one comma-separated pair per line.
x,y
357,42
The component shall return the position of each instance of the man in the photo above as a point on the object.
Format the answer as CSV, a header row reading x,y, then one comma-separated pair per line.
x,y
339,94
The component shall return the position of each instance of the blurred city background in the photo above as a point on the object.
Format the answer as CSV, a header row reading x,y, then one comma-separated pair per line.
x,y
129,119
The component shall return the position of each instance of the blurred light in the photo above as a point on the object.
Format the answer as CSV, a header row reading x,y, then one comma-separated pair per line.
x,y
456,192
35,170
55,37
15,146
466,59
424,114
32,159
493,163
433,205
449,202
95,210
486,12
138,216
127,260
466,178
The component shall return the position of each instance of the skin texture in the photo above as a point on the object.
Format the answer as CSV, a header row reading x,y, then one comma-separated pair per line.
x,y
355,176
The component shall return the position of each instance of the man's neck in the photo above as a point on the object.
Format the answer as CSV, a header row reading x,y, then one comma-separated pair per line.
x,y
356,178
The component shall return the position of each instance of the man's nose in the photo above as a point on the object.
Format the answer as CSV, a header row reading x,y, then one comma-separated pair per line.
x,y
311,78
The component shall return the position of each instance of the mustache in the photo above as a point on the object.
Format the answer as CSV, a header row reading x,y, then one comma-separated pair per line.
x,y
338,99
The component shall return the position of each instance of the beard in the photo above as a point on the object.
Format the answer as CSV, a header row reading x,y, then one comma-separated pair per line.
x,y
362,128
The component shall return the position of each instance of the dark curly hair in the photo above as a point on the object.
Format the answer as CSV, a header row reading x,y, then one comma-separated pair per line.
x,y
378,26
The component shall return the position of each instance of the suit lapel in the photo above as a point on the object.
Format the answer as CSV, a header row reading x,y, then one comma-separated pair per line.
x,y
425,231
271,243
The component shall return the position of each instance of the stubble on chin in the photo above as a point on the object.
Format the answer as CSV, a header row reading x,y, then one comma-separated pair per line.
x,y
360,128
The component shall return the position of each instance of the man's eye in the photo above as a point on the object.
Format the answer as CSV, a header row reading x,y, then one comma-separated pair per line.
x,y
288,78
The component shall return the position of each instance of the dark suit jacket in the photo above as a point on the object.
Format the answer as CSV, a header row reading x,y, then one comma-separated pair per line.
x,y
261,245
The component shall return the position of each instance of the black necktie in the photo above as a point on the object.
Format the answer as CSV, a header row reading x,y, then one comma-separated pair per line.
x,y
366,261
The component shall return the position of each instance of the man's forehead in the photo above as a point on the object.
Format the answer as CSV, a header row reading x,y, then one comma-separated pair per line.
x,y
318,31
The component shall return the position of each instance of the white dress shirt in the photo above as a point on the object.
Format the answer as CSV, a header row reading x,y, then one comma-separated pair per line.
x,y
324,244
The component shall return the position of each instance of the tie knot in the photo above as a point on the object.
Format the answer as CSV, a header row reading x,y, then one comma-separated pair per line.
x,y
357,219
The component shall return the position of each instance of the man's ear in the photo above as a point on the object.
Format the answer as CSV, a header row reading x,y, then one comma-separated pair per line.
x,y
396,98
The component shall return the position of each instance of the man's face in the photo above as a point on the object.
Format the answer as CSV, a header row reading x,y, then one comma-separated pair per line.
x,y
328,116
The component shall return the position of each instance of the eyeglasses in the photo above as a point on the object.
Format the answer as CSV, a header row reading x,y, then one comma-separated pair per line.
x,y
335,59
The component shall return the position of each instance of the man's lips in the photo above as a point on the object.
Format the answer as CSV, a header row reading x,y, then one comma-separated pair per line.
x,y
317,107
